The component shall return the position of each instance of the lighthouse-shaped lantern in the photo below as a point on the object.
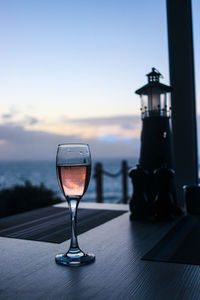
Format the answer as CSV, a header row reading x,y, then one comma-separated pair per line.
x,y
156,155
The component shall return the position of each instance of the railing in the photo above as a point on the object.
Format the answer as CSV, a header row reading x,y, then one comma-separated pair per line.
x,y
98,175
163,112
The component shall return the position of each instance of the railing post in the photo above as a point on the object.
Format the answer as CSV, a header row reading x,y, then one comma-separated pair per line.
x,y
124,182
99,182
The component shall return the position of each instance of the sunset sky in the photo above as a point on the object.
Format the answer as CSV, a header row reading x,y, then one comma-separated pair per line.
x,y
69,69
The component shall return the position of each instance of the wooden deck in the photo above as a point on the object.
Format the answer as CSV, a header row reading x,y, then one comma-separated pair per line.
x,y
28,269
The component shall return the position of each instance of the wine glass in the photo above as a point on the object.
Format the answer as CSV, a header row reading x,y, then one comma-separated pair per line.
x,y
73,166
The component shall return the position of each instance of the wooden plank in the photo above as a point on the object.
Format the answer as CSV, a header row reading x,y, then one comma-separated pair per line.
x,y
28,270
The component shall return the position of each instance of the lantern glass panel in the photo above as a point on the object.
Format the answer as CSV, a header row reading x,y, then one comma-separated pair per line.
x,y
144,105
168,103
154,99
163,104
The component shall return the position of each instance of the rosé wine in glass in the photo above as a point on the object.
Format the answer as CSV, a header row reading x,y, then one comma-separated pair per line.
x,y
73,167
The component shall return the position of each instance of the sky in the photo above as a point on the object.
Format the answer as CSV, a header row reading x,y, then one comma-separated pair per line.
x,y
69,69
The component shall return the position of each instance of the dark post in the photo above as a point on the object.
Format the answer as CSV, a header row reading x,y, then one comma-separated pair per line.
x,y
124,181
98,176
180,42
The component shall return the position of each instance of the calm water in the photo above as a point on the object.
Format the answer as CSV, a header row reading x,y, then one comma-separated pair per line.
x,y
37,172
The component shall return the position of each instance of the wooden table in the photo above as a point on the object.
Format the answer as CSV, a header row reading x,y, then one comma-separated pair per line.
x,y
28,269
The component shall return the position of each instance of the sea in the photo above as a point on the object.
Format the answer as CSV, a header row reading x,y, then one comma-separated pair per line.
x,y
44,172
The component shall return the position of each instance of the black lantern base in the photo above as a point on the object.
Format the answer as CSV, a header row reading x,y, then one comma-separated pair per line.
x,y
154,196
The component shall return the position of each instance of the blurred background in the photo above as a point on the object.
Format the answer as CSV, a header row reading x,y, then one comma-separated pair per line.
x,y
68,73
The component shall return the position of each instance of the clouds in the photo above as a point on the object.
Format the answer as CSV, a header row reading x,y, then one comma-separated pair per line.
x,y
117,136
30,120
14,116
107,138
6,116
110,120
20,143
125,122
120,127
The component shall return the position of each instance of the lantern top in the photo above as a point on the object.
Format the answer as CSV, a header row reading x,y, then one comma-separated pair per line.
x,y
153,82
154,75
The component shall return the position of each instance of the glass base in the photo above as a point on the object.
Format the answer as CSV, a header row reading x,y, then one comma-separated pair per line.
x,y
74,259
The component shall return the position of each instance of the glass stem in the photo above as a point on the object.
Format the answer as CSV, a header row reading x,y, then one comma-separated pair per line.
x,y
73,205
